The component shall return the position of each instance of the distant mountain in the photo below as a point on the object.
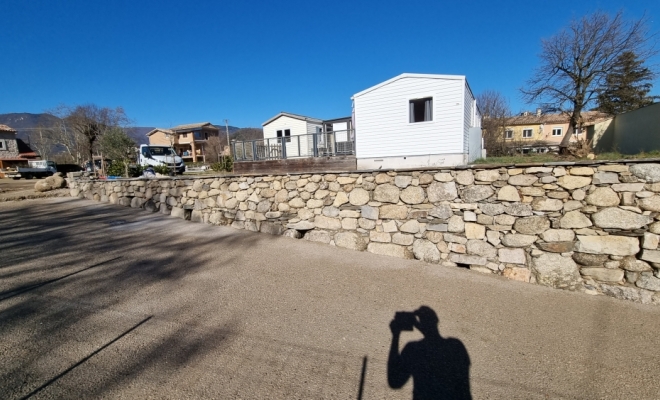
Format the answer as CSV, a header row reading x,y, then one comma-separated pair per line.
x,y
27,123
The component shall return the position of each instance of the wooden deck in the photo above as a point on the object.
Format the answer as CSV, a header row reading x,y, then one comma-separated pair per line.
x,y
297,165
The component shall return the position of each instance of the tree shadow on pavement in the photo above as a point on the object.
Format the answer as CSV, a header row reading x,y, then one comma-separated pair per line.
x,y
71,283
439,367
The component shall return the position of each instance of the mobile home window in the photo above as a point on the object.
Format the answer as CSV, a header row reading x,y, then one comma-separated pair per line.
x,y
556,132
287,135
421,110
527,133
508,134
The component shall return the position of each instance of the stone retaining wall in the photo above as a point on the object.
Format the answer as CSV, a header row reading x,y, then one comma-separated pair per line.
x,y
593,228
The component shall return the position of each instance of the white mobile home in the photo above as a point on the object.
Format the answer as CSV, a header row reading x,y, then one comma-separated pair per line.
x,y
285,125
417,120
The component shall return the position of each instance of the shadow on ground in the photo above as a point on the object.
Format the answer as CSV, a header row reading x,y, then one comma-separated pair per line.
x,y
69,279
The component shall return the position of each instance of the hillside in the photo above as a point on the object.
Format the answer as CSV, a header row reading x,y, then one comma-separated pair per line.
x,y
26,123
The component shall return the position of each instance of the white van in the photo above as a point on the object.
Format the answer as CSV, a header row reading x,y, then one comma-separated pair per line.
x,y
154,155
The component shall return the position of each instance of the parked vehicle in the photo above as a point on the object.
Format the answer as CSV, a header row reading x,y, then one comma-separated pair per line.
x,y
35,169
153,155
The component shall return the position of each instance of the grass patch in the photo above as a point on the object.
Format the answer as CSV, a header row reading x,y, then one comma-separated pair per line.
x,y
551,157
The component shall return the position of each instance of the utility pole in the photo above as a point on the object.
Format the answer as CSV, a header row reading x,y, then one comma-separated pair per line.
x,y
227,130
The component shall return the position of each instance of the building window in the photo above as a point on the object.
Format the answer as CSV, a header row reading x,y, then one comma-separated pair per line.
x,y
421,110
3,144
556,132
287,135
185,135
508,134
527,133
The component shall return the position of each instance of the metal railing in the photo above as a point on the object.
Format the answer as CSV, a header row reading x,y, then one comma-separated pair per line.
x,y
330,144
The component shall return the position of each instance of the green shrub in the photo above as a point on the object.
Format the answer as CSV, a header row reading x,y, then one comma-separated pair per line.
x,y
162,169
118,168
225,164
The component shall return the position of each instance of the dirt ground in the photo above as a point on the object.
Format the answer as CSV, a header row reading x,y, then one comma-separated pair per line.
x,y
21,189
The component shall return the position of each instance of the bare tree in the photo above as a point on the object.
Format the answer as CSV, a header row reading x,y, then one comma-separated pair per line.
x,y
575,62
495,112
80,128
66,138
41,140
214,148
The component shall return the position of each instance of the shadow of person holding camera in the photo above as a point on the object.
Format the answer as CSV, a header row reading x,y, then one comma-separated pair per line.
x,y
440,367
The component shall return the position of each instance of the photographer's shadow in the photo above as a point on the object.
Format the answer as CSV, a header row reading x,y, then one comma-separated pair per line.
x,y
439,367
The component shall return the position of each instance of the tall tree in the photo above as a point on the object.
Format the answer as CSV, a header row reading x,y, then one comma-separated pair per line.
x,y
494,112
627,86
575,62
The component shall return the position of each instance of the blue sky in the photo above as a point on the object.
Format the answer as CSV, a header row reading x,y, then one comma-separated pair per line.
x,y
174,62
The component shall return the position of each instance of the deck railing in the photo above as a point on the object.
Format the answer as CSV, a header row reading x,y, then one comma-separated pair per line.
x,y
330,144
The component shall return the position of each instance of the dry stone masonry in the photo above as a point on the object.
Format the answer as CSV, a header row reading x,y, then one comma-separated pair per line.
x,y
592,228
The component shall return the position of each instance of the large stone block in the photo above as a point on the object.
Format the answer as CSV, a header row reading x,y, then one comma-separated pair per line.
x,y
648,283
441,211
628,187
617,218
551,269
603,274
425,250
178,212
490,208
473,194
389,249
386,193
490,175
650,255
650,203
512,256
545,204
612,245
412,195
601,178
518,240
571,182
522,180
517,274
508,193
574,220
393,212
532,225
350,240
359,196
603,197
519,210
481,248
439,191
649,172
318,236
474,231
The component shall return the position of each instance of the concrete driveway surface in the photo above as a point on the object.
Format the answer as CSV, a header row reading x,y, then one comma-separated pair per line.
x,y
100,301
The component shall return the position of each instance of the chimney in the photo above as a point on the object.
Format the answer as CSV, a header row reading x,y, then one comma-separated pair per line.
x,y
538,112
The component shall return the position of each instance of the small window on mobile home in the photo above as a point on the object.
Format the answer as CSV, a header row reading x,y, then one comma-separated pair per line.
x,y
287,134
421,110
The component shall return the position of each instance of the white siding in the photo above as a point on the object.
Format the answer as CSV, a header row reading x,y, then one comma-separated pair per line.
x,y
341,129
382,121
468,104
312,128
297,126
